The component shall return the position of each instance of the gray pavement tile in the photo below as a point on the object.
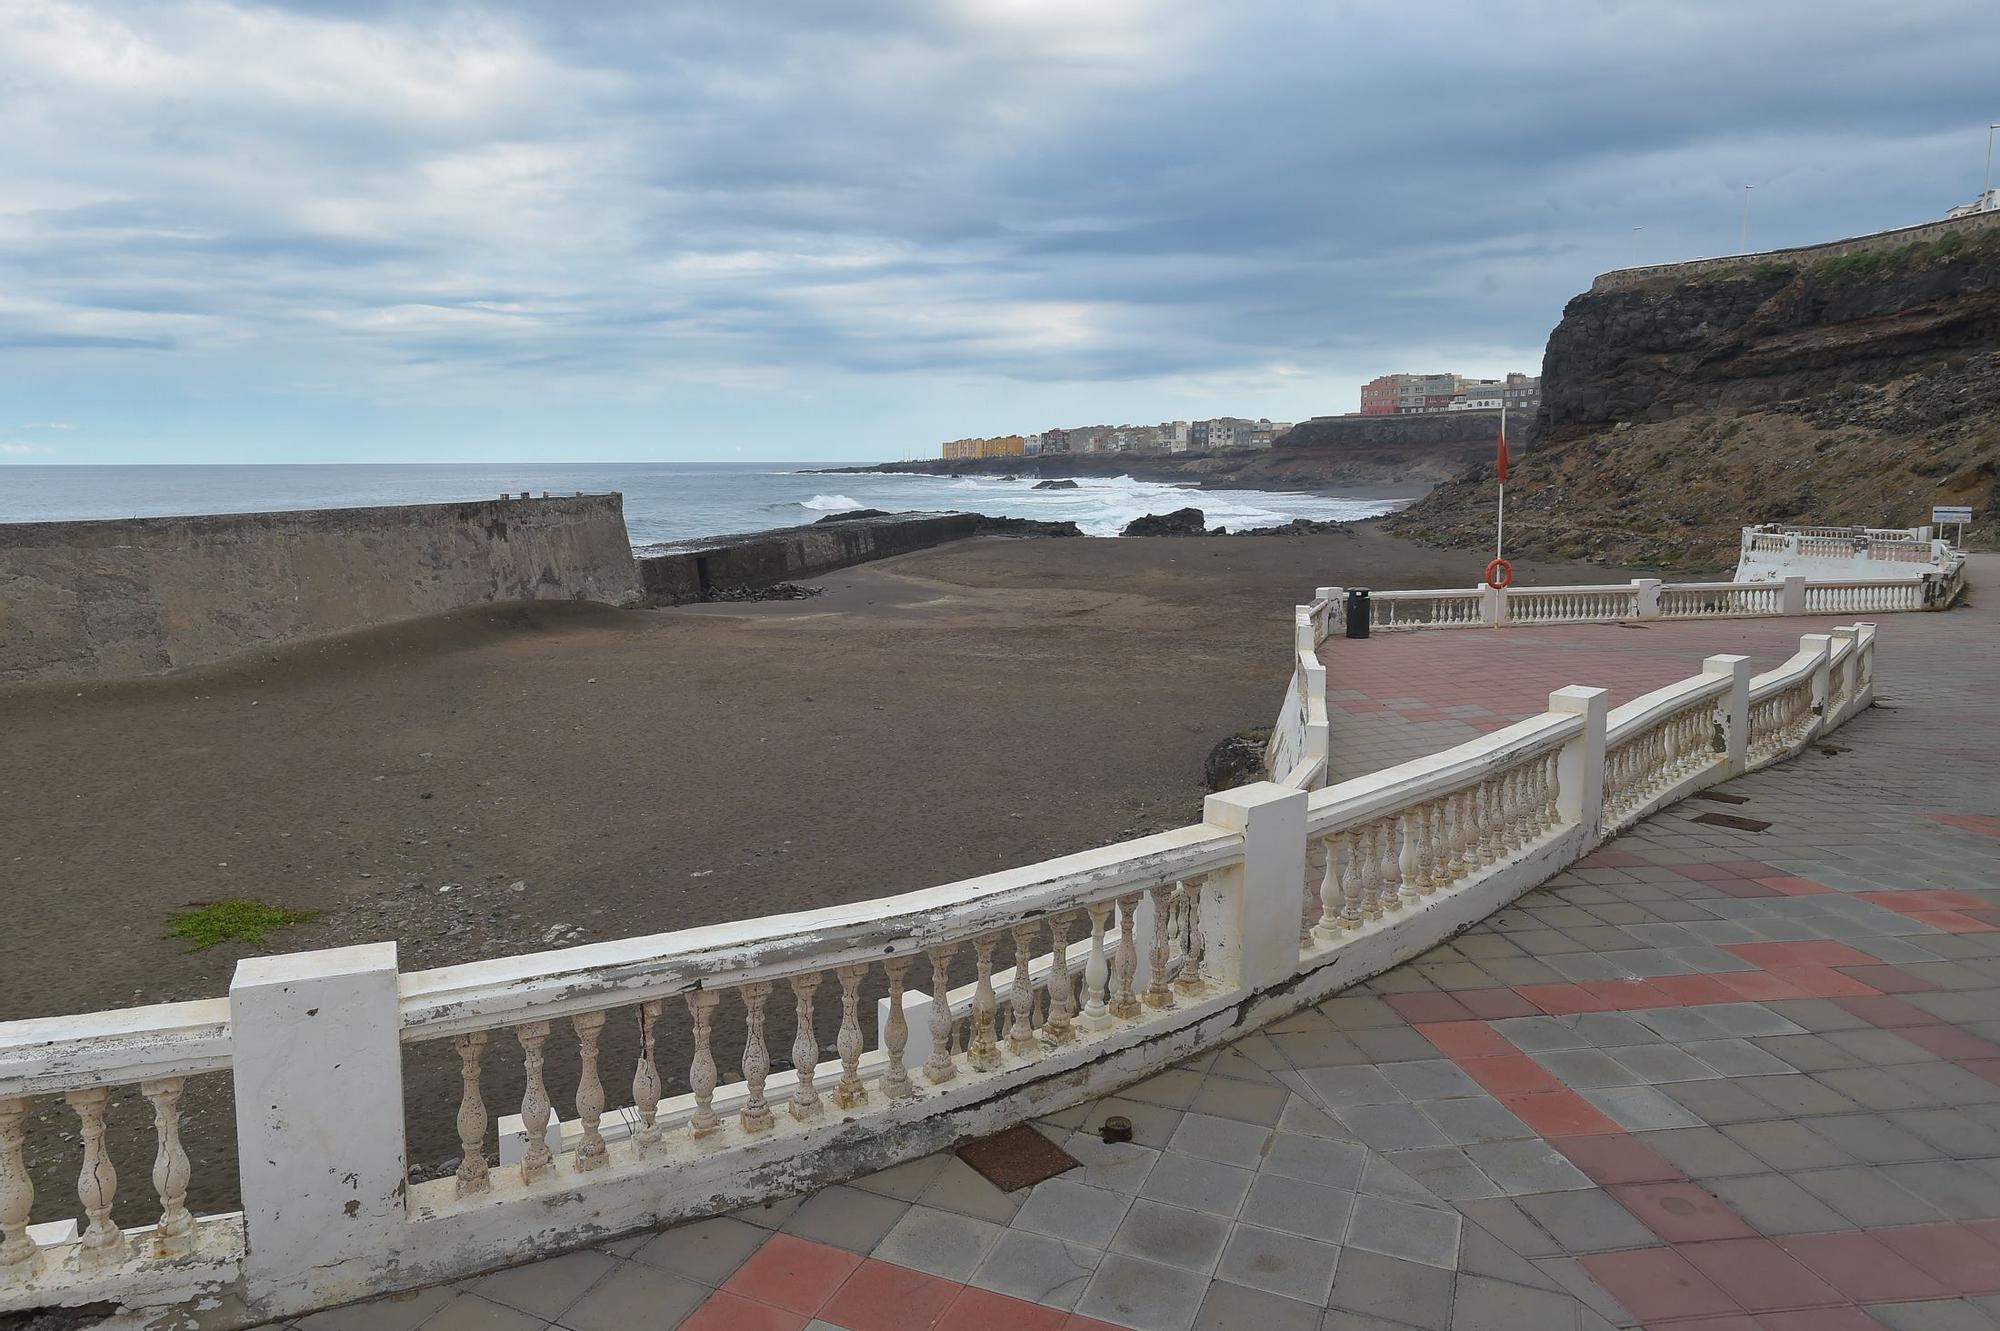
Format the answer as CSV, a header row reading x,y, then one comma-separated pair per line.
x,y
1531,1166
1933,1315
1312,1210
391,1312
1749,1019
1536,1034
1315,1159
1872,1139
1879,1089
1481,1119
1246,1102
907,1180
769,1215
1867,1196
1737,1057
1175,1088
1318,1049
1582,1069
632,1295
1143,1295
1482,1304
545,1288
1385,1045
1605,1030
468,1312
1786,1145
1308,1120
1430,1079
1809,1052
1817,1014
1397,1127
1221,1139
708,1251
1481,1254
941,1243
1954,1132
1064,1208
1679,1024
1201,1185
1230,1307
1037,1268
1446,1172
1399,1229
1340,1087
844,1217
1950,1187
1376,1285
1773,1204
1503,1218
1656,1063
1718,1102
1949,1084
1279,1263
958,1187
1383,1177
1643,1108
1585,1221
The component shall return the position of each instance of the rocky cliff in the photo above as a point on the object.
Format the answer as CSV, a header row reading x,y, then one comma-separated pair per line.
x,y
1848,387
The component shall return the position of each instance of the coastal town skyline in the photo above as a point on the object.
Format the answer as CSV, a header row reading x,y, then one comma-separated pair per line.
x,y
483,234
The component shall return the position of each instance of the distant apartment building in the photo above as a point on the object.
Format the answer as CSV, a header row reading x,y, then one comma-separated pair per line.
x,y
1174,436
1000,446
1228,432
1055,441
1412,394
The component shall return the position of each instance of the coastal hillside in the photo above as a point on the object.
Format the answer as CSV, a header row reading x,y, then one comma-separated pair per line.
x,y
1852,383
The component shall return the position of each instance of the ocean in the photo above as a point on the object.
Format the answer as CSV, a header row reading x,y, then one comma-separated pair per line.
x,y
664,501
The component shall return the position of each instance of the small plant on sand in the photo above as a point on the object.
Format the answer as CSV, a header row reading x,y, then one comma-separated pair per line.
x,y
238,919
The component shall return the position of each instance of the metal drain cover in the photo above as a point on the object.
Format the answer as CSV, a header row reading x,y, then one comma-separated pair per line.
x,y
1731,820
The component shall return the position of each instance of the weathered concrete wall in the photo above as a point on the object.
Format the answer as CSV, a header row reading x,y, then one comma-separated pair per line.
x,y
143,596
675,574
1621,278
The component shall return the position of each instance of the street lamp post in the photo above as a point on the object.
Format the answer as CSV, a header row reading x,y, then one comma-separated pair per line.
x,y
1988,187
1743,231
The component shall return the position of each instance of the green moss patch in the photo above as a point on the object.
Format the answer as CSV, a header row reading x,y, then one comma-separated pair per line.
x,y
236,920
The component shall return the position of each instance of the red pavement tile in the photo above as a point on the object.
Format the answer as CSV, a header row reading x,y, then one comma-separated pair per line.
x,y
1988,1068
1560,1000
1796,887
1656,1284
1511,1074
1681,1212
1956,922
1743,887
1825,981
1890,979
1862,1267
1746,868
880,1296
728,1312
1760,986
1886,1012
1462,1040
1560,1114
1971,822
1624,995
1619,1158
1951,1042
1708,873
1078,1322
791,1273
983,1310
1952,1254
1494,1004
1760,1275
1693,990
1815,952
1610,859
1924,899
1732,1322
1428,1006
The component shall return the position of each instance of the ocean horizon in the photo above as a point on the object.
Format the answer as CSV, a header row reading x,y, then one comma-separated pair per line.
x,y
664,501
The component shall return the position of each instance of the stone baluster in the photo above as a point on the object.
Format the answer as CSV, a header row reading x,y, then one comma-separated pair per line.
x,y
1384,843
1485,799
1096,974
850,1091
1158,995
174,1235
1309,908
1061,1025
985,1050
805,1047
1021,1031
896,1082
1351,880
646,1077
1125,1003
939,1067
1367,869
1438,814
1191,981
701,1071
590,1152
1520,826
755,1116
1338,849
20,1256
1468,831
472,1164
103,1243
536,1159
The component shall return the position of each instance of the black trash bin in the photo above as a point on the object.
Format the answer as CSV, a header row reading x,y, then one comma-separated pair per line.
x,y
1357,612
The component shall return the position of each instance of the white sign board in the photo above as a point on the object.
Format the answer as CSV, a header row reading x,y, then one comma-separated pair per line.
x,y
1942,516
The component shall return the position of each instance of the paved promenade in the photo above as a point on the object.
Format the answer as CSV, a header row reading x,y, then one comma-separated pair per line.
x,y
1708,1080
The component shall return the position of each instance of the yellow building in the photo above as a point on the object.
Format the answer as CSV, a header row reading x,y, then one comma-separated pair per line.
x,y
1000,446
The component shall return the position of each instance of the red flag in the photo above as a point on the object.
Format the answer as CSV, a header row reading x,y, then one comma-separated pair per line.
x,y
1500,456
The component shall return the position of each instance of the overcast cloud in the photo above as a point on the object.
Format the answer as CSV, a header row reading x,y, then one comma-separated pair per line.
x,y
792,230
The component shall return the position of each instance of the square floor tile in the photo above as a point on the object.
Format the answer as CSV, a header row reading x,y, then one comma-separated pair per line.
x,y
1038,1268
1279,1263
1396,1127
1336,1164
1311,1210
1143,1295
544,1288
1119,1166
1680,1212
1862,1267
706,1250
880,1296
1375,1285
634,1295
1075,1212
1657,1284
845,1218
1759,1275
1585,1221
1199,1185
1223,1140
1527,1167
794,1274
1231,1307
941,1243
1399,1229
469,1312
1174,1235
730,1312
978,1309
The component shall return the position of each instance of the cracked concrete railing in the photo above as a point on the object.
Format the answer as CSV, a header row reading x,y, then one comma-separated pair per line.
x,y
1086,973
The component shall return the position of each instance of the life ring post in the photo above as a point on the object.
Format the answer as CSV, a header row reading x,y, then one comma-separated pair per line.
x,y
1499,575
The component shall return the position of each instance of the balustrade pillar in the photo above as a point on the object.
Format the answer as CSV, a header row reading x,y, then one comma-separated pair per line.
x,y
702,1075
1096,973
1125,1003
984,1051
646,1077
896,1033
1060,1026
805,1047
850,1092
472,1163
173,1236
1191,981
1021,998
102,1243
755,1116
1580,762
1157,993
536,1159
940,1066
590,1152
20,1256
1338,849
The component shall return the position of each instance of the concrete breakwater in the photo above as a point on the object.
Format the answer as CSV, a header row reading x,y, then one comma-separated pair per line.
x,y
144,596
688,570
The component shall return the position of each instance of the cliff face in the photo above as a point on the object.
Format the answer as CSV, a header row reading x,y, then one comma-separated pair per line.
x,y
1857,388
1289,466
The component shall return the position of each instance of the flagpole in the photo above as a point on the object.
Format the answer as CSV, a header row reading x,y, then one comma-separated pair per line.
x,y
1500,519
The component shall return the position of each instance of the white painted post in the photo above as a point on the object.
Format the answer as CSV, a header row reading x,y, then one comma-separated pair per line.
x,y
1336,604
318,1072
1794,602
1580,768
1648,598
1822,677
1251,916
1732,709
1865,680
1302,630
1492,605
1850,665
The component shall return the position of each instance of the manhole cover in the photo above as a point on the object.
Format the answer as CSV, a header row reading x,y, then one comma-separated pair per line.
x,y
1017,1158
1720,798
1731,820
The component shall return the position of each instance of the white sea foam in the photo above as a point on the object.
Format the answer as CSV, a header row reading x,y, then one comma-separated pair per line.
x,y
830,503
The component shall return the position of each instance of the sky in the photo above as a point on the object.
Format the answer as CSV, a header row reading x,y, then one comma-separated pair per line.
x,y
787,230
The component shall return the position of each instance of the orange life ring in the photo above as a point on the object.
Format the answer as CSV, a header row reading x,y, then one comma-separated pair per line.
x,y
1504,571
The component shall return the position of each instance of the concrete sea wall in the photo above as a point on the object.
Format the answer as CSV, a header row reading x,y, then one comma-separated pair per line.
x,y
144,596
676,574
